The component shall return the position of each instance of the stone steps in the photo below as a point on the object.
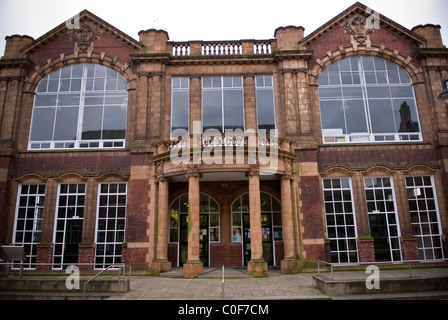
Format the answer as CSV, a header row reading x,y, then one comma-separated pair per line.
x,y
393,288
54,288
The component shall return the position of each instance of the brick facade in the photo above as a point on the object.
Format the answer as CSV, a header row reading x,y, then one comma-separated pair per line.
x,y
295,63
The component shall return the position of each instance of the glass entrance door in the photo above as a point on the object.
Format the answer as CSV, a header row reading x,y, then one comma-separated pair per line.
x,y
203,239
266,231
246,238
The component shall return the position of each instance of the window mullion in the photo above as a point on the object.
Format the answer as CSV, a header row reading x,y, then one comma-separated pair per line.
x,y
222,106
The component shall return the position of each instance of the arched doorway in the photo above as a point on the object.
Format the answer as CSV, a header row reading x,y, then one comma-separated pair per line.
x,y
271,224
209,228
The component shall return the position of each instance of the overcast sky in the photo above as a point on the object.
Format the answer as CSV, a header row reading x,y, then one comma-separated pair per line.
x,y
208,19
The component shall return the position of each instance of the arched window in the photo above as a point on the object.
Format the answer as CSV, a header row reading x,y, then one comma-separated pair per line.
x,y
271,225
207,205
80,106
367,99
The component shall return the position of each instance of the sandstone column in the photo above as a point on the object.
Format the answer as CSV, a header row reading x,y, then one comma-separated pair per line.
x,y
289,264
162,264
193,267
256,266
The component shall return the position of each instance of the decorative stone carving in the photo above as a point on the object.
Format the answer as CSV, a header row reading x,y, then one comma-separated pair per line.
x,y
159,175
84,36
359,31
289,170
192,172
254,170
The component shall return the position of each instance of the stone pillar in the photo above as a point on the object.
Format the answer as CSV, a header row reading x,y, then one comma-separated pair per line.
x,y
162,264
193,267
289,264
256,266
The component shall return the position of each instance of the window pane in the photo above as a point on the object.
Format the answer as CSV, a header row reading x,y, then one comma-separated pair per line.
x,y
382,116
233,109
330,93
332,115
66,123
406,118
114,123
43,122
179,112
265,109
45,100
355,116
212,110
91,128
69,99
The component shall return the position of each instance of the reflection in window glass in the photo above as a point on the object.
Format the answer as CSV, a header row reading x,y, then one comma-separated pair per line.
x,y
80,106
180,104
367,99
222,103
265,103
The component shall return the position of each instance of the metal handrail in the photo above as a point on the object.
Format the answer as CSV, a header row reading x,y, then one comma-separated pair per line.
x,y
115,266
403,262
120,266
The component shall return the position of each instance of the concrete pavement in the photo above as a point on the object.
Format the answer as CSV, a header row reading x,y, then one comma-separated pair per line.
x,y
238,285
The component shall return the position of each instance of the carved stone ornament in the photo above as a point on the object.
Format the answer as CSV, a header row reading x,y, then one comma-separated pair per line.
x,y
84,36
192,172
158,174
254,170
358,29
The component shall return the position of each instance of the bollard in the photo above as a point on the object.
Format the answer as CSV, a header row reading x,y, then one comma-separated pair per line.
x,y
223,282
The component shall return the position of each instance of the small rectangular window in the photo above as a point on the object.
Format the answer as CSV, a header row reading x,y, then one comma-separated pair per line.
x,y
180,105
265,103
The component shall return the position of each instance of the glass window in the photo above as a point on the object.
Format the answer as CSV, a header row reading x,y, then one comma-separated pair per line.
x,y
28,222
340,220
111,224
69,224
367,99
425,216
265,103
268,205
80,106
207,205
222,103
180,104
383,220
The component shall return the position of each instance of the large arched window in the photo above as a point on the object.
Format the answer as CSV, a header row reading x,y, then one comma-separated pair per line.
x,y
80,106
367,99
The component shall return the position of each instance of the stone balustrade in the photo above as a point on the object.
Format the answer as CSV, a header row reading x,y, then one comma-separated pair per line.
x,y
221,48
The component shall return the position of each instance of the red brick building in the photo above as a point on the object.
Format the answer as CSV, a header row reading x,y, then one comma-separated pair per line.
x,y
154,152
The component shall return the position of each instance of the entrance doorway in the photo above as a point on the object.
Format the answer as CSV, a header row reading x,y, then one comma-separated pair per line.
x,y
204,242
209,229
271,226
378,231
266,231
73,235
